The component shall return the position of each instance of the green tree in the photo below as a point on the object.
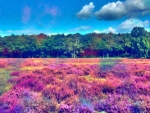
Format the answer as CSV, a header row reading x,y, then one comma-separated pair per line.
x,y
138,31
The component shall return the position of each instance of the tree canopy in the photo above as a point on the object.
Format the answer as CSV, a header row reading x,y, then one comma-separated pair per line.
x,y
138,31
77,45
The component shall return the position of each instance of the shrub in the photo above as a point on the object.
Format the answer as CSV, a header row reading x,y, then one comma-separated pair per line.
x,y
2,65
64,108
113,104
84,109
15,73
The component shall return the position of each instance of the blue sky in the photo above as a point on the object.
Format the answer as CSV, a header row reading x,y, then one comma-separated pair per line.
x,y
68,16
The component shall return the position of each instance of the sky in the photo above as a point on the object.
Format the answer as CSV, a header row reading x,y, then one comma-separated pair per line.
x,y
72,16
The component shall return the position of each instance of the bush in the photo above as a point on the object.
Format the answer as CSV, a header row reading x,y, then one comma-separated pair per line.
x,y
15,73
2,65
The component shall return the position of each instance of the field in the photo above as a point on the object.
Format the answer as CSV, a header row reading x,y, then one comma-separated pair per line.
x,y
82,85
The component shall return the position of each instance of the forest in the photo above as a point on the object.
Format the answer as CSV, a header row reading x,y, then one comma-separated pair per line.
x,y
135,44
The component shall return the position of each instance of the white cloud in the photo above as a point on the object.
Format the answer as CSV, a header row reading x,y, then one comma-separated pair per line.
x,y
141,7
25,31
49,34
108,30
111,11
147,29
97,31
82,28
17,32
135,4
128,25
86,11
146,12
146,23
117,10
29,32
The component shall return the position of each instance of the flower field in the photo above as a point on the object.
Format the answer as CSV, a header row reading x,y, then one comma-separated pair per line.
x,y
82,85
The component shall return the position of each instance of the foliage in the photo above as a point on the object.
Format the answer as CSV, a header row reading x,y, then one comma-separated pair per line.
x,y
77,45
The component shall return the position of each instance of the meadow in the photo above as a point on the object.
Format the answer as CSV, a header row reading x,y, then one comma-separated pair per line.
x,y
81,85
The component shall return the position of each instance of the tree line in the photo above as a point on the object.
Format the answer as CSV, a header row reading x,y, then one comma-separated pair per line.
x,y
133,45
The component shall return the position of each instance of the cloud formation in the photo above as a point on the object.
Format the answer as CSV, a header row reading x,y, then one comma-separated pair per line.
x,y
108,30
111,29
146,23
82,28
28,32
117,10
26,14
147,29
24,31
127,25
111,11
97,31
86,11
